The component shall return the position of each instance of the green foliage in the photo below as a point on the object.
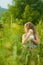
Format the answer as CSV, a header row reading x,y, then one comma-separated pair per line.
x,y
24,9
11,31
30,15
40,32
27,14
1,11
11,49
29,10
6,17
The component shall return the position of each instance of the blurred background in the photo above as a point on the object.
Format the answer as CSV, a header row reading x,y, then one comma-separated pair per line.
x,y
13,15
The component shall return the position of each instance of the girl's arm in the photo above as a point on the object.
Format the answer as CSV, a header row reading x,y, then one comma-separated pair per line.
x,y
24,39
37,40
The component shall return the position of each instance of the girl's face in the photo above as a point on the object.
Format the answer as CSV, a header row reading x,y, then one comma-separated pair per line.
x,y
26,30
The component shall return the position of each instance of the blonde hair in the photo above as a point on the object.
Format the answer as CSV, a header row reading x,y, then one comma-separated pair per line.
x,y
30,25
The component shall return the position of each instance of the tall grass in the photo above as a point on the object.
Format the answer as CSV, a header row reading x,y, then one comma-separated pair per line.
x,y
11,45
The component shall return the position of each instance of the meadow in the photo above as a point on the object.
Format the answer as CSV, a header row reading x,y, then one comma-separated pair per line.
x,y
11,44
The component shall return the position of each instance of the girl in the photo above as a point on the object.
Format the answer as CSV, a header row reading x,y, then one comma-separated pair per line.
x,y
30,35
30,42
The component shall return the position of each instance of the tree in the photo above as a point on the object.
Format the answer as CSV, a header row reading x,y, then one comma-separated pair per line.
x,y
5,17
30,15
22,9
27,10
27,14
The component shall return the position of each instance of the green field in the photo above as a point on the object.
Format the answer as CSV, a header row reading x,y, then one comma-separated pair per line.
x,y
11,45
12,22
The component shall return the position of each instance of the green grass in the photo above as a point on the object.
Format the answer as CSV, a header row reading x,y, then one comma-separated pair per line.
x,y
11,44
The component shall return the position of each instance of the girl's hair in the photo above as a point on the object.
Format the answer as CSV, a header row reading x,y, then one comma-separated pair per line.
x,y
30,25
